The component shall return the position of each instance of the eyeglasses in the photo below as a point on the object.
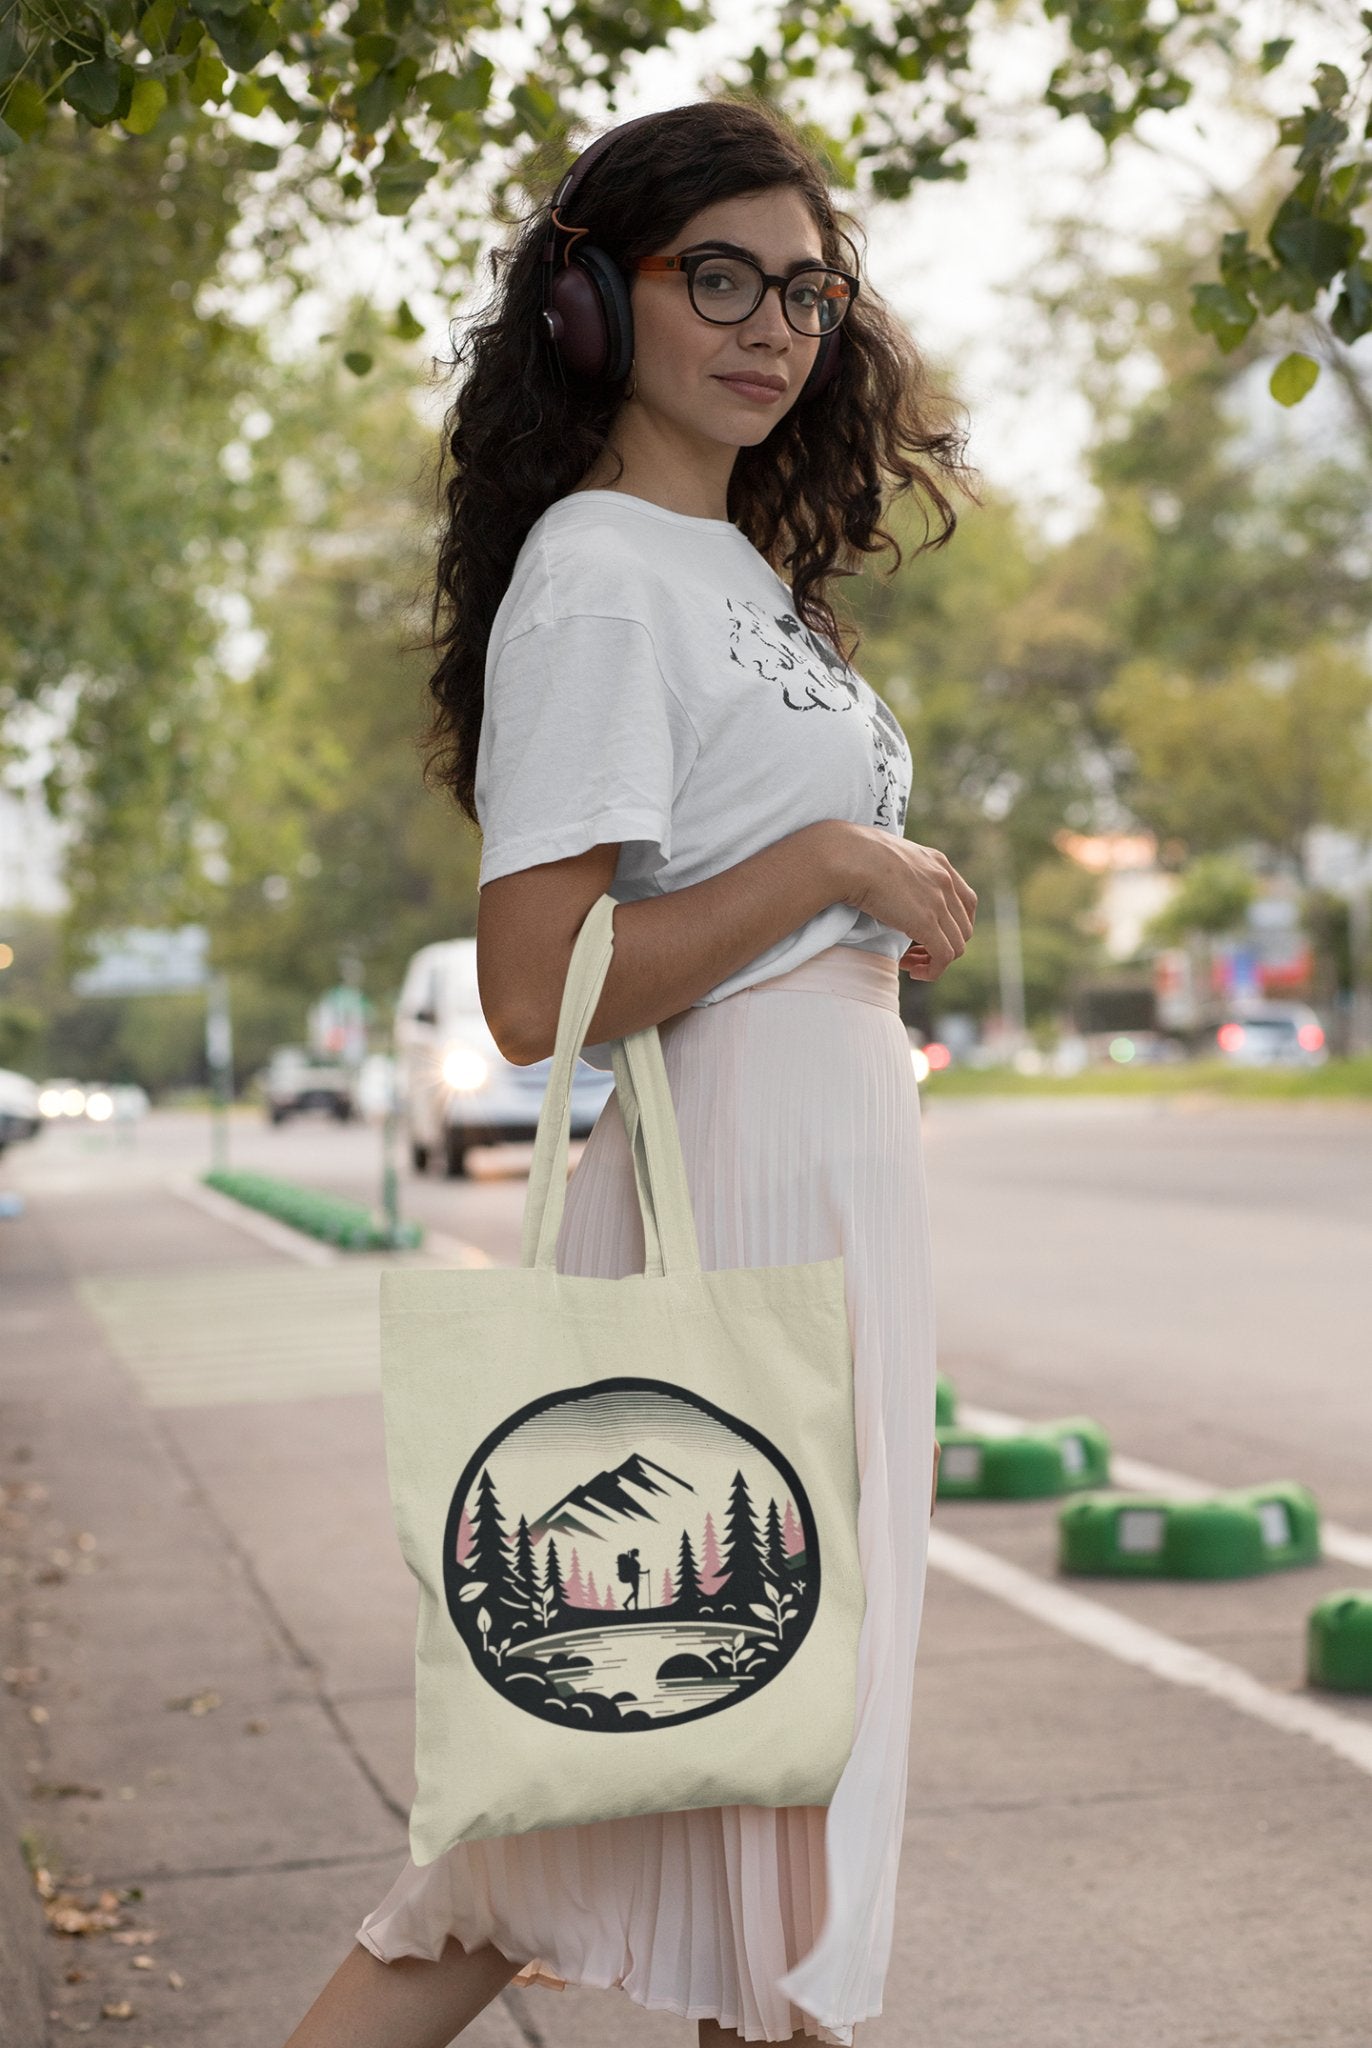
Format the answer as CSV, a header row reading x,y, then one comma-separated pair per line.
x,y
725,289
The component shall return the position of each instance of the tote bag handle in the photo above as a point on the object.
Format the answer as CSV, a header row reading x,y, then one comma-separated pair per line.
x,y
645,1101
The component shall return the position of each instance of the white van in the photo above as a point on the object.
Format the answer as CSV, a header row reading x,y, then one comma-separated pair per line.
x,y
456,1088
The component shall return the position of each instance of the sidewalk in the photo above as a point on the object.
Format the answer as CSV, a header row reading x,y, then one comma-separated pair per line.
x,y
207,1629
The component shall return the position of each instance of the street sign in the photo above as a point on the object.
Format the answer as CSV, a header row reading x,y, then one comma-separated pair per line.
x,y
146,961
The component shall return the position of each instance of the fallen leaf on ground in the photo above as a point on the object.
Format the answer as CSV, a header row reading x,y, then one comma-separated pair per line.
x,y
140,1962
175,1979
116,2009
38,1715
195,1703
135,1937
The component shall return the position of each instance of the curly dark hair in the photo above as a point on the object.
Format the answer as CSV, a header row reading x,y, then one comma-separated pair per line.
x,y
809,497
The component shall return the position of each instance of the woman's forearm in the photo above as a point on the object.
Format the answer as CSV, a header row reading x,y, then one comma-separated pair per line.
x,y
668,950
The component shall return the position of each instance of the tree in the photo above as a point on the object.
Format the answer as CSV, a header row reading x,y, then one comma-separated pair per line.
x,y
388,102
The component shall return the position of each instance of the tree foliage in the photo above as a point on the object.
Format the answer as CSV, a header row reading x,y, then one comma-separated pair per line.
x,y
388,96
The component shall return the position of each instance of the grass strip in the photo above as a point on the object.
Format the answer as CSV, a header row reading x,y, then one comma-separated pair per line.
x,y
1338,1078
338,1222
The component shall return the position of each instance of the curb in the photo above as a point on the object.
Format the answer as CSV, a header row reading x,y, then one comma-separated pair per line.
x,y
23,1930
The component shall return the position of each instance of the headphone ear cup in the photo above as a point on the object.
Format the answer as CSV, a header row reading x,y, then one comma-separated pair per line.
x,y
592,323
824,367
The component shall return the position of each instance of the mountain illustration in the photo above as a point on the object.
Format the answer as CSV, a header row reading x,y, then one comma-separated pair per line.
x,y
593,1508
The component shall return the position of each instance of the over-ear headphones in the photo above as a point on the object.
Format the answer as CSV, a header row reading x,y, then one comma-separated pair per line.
x,y
586,307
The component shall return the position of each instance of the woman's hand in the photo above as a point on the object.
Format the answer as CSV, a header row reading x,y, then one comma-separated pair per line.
x,y
911,888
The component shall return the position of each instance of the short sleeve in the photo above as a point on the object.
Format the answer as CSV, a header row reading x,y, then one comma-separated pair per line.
x,y
581,743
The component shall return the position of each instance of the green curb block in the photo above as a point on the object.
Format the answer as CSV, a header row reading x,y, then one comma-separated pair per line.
x,y
1338,1642
1055,1457
1234,1535
945,1402
346,1224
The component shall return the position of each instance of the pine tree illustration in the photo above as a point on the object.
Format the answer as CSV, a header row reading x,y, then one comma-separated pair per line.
x,y
609,1600
464,1535
576,1591
668,1594
688,1601
746,1580
592,1596
776,1548
523,1576
552,1582
489,1562
711,1571
791,1533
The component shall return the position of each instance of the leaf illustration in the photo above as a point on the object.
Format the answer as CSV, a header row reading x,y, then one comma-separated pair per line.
x,y
472,1592
765,1612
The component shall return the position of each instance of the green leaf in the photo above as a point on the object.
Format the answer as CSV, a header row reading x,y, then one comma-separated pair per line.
x,y
1331,87
93,89
1292,378
398,185
26,110
1220,310
148,99
9,141
249,96
446,95
244,38
209,78
358,361
261,156
1273,52
405,325
537,109
155,25
1318,247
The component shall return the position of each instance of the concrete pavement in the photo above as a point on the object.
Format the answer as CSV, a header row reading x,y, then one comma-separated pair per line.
x,y
210,1614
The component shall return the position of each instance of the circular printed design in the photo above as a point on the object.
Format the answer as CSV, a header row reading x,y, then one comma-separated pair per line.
x,y
626,1555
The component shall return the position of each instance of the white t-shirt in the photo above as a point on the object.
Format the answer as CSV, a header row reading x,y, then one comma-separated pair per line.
x,y
649,682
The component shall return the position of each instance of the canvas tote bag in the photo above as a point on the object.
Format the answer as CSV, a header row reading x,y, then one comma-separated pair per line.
x,y
630,1504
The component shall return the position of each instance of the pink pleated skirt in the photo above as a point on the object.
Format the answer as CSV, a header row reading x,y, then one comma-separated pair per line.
x,y
800,1124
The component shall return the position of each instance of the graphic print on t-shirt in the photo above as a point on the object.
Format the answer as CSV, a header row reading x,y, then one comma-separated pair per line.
x,y
627,1555
782,649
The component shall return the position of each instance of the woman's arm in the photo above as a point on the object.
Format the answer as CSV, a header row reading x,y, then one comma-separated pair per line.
x,y
670,949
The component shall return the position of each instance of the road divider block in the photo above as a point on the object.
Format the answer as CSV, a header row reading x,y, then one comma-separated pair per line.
x,y
1052,1458
1233,1535
1338,1642
329,1217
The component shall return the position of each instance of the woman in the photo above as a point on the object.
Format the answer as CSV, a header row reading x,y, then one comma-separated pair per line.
x,y
629,697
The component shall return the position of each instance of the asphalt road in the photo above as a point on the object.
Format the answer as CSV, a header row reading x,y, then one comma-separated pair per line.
x,y
1130,1824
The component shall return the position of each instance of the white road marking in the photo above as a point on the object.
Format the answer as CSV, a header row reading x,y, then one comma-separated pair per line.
x,y
1350,1546
1147,1648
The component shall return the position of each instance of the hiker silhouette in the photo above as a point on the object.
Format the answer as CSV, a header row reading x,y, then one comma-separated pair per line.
x,y
629,1571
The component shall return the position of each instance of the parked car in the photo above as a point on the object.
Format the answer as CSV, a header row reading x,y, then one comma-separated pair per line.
x,y
1260,1031
20,1115
296,1080
456,1087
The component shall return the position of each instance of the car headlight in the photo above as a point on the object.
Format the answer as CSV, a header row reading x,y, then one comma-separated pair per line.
x,y
99,1106
73,1101
50,1102
464,1069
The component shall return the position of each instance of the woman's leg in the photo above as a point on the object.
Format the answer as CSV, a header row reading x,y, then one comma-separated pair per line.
x,y
409,2003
